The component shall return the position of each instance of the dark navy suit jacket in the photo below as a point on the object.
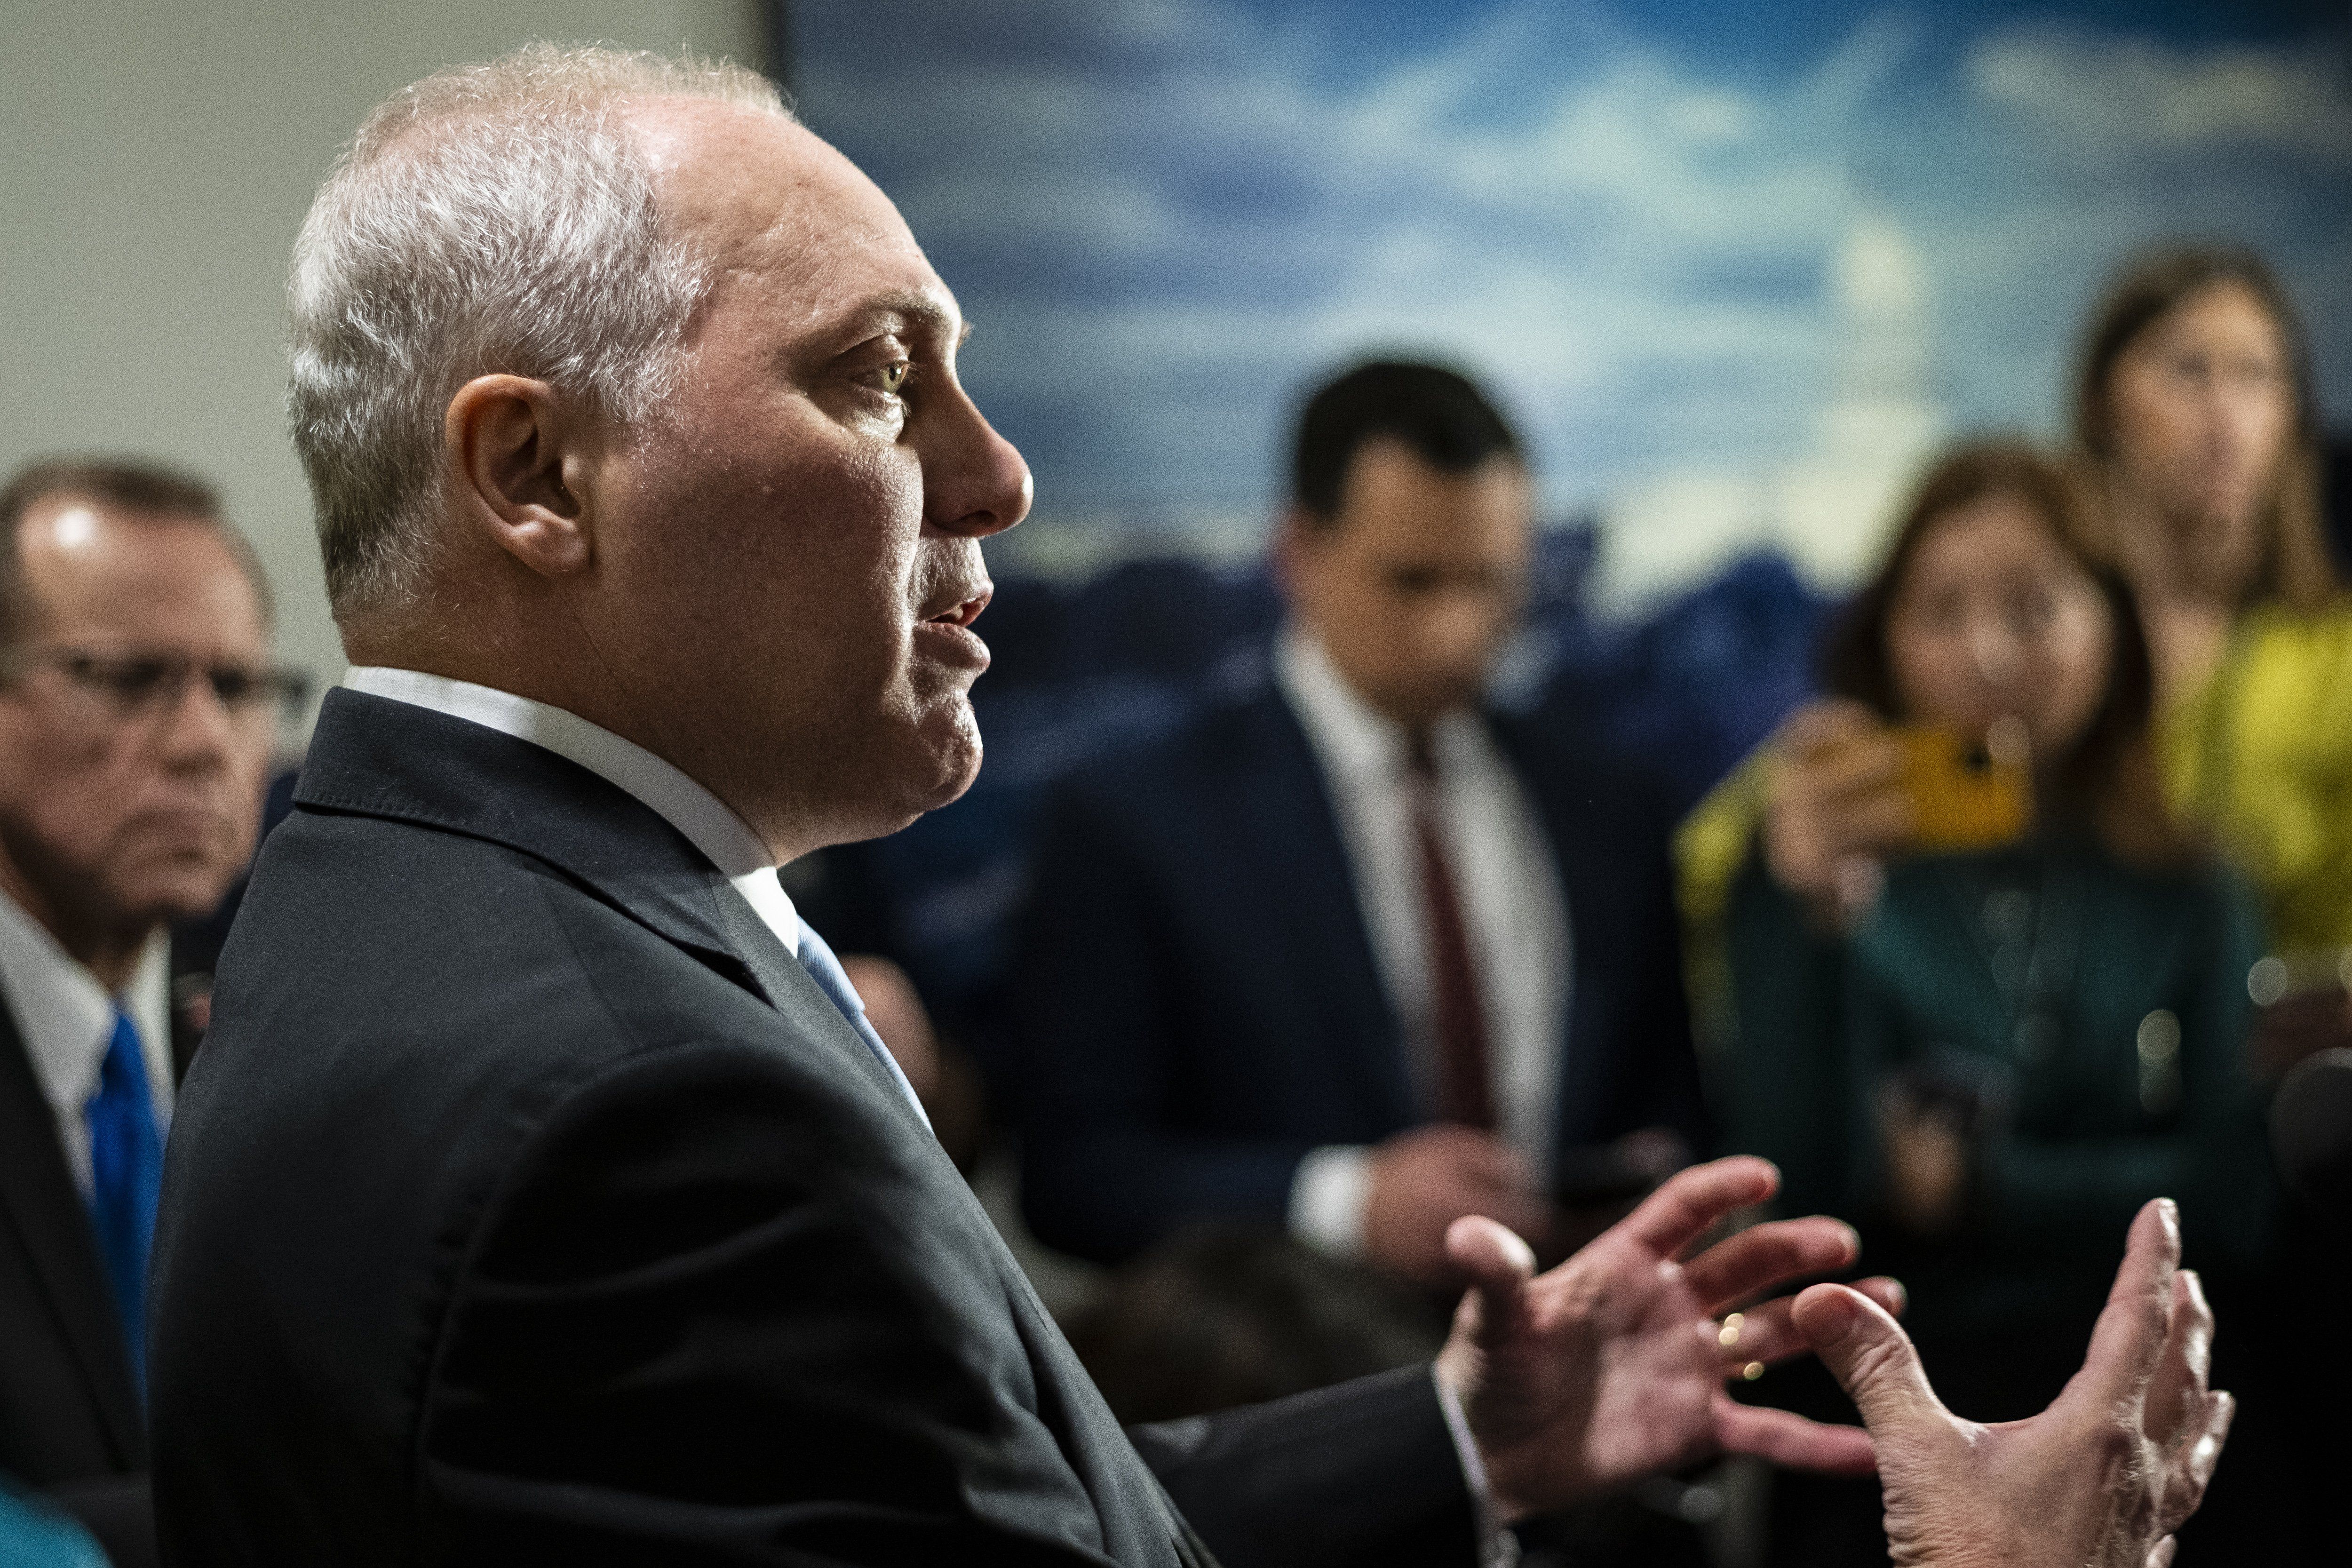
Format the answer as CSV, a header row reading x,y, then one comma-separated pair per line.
x,y
1197,1003
529,1203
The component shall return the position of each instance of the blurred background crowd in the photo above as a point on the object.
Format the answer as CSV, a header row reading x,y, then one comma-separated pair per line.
x,y
1612,582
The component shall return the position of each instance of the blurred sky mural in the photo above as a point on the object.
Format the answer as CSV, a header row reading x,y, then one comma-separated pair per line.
x,y
1737,267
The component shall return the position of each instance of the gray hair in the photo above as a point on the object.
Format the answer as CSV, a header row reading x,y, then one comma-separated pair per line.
x,y
491,218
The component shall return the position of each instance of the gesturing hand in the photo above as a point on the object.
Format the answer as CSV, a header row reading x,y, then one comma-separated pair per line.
x,y
1611,1366
2104,1477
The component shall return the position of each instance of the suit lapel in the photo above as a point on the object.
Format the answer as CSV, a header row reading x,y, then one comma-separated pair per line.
x,y
45,1209
785,982
1589,861
1310,887
377,757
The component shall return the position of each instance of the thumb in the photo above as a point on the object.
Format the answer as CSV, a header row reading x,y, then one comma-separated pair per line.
x,y
1495,1261
1871,1357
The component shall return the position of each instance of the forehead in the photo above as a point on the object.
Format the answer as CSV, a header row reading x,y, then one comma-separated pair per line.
x,y
1395,499
784,218
2225,311
82,560
1995,534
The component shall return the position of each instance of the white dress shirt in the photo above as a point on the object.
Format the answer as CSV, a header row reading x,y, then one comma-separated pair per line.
x,y
65,1015
1516,917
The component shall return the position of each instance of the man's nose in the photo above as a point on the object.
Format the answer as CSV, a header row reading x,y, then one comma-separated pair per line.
x,y
975,482
1463,629
196,728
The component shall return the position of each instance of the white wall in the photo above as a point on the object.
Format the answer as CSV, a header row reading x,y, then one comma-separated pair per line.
x,y
155,160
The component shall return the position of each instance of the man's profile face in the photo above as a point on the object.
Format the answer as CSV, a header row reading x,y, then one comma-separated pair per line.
x,y
118,816
1417,582
794,544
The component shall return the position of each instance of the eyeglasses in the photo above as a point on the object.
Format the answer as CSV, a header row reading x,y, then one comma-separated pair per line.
x,y
131,686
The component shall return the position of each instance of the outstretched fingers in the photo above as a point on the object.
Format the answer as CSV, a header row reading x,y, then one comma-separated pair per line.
x,y
1747,1265
2177,1394
1689,1201
2189,1469
2129,1340
1790,1440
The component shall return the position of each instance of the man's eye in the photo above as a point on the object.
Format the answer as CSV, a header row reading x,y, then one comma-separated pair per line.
x,y
234,687
894,375
132,679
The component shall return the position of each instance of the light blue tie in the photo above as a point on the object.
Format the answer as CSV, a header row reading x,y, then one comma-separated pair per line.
x,y
817,958
126,1169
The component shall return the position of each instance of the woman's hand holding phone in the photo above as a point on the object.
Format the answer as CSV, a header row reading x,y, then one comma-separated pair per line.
x,y
1838,806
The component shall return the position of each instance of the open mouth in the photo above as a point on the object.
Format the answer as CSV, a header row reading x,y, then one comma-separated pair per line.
x,y
964,612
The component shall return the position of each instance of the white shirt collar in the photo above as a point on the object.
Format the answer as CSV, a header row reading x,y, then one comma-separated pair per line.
x,y
65,1015
710,824
1357,742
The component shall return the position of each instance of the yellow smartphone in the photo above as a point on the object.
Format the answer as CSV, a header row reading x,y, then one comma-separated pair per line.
x,y
1967,794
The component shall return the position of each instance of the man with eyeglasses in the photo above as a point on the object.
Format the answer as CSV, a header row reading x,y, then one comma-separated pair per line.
x,y
138,713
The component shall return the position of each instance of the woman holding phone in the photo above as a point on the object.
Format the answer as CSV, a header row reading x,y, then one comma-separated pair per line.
x,y
1992,1042
1996,1051
2195,457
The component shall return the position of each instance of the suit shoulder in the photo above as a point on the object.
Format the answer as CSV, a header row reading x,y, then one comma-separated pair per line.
x,y
1564,769
407,941
1230,741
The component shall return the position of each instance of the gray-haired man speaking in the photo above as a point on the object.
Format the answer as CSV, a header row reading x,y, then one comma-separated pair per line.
x,y
541,1194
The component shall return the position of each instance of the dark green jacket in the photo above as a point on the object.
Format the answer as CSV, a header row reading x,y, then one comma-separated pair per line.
x,y
2095,1011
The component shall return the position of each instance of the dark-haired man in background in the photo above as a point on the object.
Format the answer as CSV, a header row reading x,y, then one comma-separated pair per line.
x,y
137,713
1355,954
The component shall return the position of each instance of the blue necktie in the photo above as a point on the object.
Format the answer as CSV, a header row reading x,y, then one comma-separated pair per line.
x,y
126,1168
816,957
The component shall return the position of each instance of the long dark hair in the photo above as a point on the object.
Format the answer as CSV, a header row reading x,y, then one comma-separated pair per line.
x,y
2106,779
2295,569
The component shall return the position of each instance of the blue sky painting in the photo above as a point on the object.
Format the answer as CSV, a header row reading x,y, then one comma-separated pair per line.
x,y
1650,223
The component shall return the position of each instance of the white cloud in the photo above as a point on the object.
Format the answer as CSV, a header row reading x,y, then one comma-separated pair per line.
x,y
2129,95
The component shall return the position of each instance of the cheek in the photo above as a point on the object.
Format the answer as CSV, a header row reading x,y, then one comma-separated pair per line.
x,y
2261,425
2072,678
66,773
1930,670
2153,428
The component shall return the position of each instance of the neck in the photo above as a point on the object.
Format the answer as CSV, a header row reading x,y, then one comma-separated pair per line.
x,y
2188,622
110,950
572,684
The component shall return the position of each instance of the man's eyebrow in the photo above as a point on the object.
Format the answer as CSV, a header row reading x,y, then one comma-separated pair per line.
x,y
918,311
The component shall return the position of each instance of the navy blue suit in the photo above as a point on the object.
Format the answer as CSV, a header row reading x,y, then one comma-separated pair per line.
x,y
1197,1001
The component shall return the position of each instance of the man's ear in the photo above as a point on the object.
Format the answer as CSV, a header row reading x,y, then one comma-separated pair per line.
x,y
516,455
1294,542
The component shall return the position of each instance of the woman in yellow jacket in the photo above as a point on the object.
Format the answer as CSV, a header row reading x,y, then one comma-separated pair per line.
x,y
2197,455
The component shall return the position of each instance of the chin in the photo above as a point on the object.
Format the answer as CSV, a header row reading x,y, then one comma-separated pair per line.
x,y
174,899
937,762
955,758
